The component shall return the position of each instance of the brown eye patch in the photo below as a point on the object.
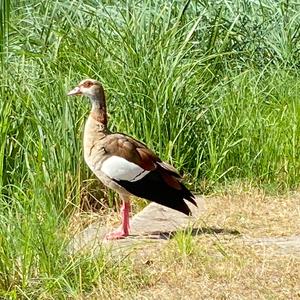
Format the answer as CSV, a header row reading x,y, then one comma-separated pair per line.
x,y
87,84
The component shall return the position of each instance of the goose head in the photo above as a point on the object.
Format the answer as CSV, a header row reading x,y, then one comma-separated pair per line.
x,y
88,87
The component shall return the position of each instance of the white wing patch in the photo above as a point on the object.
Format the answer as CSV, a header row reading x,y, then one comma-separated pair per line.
x,y
118,168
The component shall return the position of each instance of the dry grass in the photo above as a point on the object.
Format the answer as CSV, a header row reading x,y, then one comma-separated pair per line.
x,y
206,274
255,214
217,264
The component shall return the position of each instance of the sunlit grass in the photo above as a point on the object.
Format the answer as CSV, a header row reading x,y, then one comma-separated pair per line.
x,y
212,87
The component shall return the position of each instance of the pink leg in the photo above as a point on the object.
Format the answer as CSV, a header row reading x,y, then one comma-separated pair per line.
x,y
125,211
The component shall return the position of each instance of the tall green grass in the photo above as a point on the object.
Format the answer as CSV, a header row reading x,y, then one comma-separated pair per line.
x,y
211,86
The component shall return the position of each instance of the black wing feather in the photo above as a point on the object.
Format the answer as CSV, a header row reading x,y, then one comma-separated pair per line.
x,y
152,187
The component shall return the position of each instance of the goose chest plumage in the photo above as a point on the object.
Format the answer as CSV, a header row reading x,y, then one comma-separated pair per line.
x,y
126,165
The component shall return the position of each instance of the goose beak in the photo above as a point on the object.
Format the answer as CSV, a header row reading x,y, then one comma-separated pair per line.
x,y
75,91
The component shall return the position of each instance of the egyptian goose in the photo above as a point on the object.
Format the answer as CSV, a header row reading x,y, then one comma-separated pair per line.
x,y
125,164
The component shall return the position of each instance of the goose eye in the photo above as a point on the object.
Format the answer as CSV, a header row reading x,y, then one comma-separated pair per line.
x,y
88,84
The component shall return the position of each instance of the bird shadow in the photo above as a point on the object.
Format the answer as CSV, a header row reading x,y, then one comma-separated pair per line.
x,y
167,235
